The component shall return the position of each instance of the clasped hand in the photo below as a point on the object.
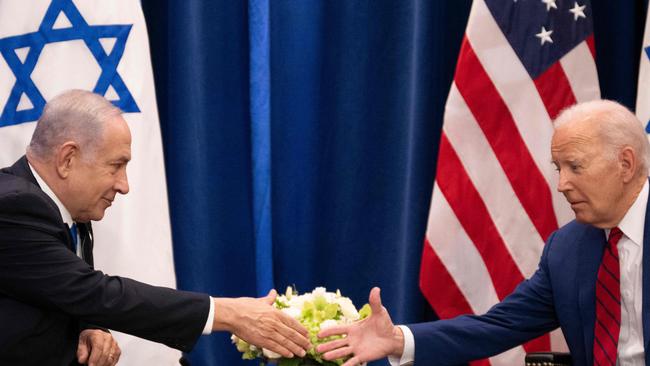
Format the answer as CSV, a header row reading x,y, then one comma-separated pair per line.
x,y
257,322
97,348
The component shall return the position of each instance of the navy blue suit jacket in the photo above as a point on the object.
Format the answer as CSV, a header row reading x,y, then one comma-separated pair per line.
x,y
561,293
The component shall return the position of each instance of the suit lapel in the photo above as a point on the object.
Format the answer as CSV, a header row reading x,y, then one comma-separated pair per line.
x,y
86,235
592,245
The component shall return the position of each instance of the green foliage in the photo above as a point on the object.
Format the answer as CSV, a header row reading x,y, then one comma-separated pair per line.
x,y
365,311
315,311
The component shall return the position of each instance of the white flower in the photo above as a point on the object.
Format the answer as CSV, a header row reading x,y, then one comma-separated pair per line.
x,y
292,312
347,308
294,305
270,354
328,323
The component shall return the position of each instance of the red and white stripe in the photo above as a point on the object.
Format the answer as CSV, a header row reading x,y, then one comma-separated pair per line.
x,y
494,200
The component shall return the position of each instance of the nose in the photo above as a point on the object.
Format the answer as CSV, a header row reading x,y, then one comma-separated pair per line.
x,y
122,183
563,184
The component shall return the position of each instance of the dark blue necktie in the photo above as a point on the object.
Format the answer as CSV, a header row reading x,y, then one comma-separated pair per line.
x,y
73,233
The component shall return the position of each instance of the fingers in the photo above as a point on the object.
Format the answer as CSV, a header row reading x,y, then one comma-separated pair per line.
x,y
354,361
338,353
280,348
270,297
297,328
100,349
334,330
288,338
375,300
82,352
325,347
114,354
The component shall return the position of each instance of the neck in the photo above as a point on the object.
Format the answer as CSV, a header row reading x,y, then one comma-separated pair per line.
x,y
49,176
632,192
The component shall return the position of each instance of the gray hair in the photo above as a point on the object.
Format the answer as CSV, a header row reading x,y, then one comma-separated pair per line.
x,y
74,115
616,125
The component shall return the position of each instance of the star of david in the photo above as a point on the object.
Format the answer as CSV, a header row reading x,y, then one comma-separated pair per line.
x,y
80,30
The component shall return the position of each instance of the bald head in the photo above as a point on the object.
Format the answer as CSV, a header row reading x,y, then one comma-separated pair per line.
x,y
74,115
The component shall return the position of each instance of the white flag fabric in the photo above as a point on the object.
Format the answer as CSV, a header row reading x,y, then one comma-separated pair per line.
x,y
47,47
643,90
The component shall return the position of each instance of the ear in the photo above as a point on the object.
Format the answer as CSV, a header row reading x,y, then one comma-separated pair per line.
x,y
627,161
67,157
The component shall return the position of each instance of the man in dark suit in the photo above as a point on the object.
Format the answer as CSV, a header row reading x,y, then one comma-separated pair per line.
x,y
49,292
593,279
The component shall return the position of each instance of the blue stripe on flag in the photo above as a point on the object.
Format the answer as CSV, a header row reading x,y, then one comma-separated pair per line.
x,y
260,109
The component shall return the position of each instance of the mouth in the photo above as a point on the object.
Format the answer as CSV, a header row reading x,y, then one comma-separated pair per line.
x,y
574,204
109,202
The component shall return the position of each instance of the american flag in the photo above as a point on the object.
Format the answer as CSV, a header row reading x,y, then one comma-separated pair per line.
x,y
494,200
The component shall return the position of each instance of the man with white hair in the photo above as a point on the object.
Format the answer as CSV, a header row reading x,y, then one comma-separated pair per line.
x,y
593,279
73,170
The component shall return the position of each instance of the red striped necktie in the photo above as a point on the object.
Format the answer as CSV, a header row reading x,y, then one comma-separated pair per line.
x,y
608,303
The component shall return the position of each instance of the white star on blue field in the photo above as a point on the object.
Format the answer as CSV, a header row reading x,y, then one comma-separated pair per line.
x,y
80,30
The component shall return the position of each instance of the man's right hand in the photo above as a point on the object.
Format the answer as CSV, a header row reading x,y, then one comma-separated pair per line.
x,y
257,322
367,340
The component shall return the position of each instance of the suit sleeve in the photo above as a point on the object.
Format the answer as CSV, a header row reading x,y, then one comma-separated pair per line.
x,y
525,314
37,268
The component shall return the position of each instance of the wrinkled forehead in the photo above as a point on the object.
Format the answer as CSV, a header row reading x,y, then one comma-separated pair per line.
x,y
575,137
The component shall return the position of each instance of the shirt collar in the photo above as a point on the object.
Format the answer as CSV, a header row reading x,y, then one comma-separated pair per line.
x,y
631,225
65,214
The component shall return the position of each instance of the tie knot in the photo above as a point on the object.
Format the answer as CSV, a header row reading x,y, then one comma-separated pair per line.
x,y
614,236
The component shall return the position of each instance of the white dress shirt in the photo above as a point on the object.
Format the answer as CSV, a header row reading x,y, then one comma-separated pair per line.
x,y
630,251
67,218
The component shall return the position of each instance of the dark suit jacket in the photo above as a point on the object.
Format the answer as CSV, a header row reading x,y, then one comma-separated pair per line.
x,y
562,292
46,290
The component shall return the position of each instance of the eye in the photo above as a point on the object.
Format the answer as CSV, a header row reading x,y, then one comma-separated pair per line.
x,y
555,166
575,167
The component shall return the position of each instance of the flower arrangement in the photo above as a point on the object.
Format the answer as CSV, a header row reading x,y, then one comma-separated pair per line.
x,y
315,310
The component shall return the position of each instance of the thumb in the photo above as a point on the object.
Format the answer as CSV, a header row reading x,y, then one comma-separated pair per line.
x,y
82,352
375,300
270,297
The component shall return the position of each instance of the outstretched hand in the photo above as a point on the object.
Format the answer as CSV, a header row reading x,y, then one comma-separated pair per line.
x,y
367,340
257,322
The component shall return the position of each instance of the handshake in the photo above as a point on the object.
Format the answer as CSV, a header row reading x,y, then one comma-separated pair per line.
x,y
257,322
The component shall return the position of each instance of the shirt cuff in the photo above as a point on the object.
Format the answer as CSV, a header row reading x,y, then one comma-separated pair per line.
x,y
208,323
409,348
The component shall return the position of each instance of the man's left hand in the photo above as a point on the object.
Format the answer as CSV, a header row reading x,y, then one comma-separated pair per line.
x,y
97,348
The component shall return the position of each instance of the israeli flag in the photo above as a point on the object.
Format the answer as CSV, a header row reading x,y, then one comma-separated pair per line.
x,y
50,46
643,90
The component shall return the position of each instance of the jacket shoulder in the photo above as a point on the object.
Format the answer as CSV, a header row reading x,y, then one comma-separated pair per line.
x,y
21,201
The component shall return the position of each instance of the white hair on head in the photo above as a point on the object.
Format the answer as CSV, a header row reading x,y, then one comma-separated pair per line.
x,y
74,115
616,125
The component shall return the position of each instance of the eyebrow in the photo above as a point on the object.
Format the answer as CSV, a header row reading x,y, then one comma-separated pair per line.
x,y
121,160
